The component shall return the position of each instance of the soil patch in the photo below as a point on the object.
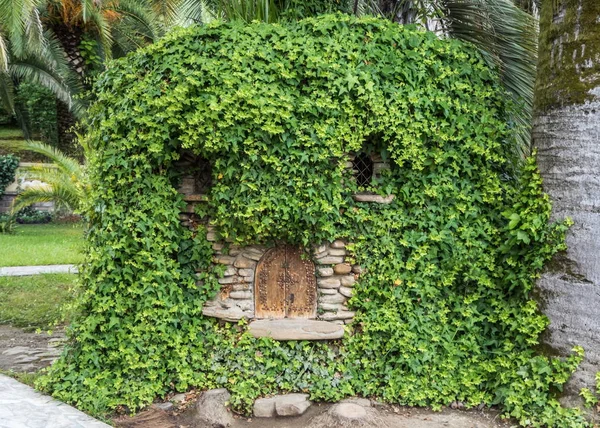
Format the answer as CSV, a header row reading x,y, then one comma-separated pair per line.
x,y
27,352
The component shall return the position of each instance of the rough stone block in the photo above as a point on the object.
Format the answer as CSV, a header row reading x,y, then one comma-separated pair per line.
x,y
239,287
337,252
264,408
229,280
342,269
211,408
330,307
330,260
243,262
328,282
345,291
348,280
328,291
334,298
230,271
292,404
338,243
340,315
225,260
246,272
295,329
325,271
240,295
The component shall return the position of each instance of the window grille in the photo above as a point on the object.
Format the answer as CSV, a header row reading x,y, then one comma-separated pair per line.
x,y
363,169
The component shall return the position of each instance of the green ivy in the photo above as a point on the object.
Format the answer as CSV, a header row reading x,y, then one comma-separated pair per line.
x,y
443,310
8,168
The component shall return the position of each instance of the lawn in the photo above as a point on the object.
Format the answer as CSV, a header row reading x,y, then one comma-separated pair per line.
x,y
34,301
10,133
42,244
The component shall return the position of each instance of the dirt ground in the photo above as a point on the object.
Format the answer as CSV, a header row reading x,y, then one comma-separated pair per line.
x,y
392,416
23,351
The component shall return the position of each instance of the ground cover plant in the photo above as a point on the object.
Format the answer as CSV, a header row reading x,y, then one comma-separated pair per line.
x,y
35,301
444,310
42,244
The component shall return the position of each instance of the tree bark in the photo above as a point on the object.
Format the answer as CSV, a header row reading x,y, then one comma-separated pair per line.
x,y
566,132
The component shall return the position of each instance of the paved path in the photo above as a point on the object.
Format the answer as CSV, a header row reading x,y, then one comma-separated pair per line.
x,y
36,270
23,407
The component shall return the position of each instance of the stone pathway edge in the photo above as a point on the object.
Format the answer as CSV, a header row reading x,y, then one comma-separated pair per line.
x,y
37,270
22,406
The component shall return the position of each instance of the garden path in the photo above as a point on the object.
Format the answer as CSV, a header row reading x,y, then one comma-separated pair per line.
x,y
36,270
22,407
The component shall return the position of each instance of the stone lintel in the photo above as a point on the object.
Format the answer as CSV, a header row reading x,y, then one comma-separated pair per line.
x,y
296,329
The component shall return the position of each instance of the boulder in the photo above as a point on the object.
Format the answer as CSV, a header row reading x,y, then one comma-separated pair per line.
x,y
211,409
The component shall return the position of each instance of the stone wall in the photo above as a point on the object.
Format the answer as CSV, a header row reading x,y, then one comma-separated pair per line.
x,y
335,276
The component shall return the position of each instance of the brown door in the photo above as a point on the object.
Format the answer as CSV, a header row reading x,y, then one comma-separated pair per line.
x,y
285,285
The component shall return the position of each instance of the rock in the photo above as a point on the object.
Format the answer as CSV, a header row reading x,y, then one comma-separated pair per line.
x,y
342,269
239,287
229,280
225,260
243,263
295,329
325,271
241,295
330,307
333,298
178,398
357,269
253,254
163,406
264,408
367,197
232,313
230,271
246,272
328,282
217,246
338,243
348,280
340,315
211,409
291,404
348,411
324,291
330,260
320,249
345,291
337,252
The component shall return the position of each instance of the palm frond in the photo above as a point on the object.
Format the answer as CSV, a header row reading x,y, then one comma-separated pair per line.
x,y
62,198
64,163
507,36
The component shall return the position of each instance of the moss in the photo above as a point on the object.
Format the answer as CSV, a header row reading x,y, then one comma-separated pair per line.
x,y
569,50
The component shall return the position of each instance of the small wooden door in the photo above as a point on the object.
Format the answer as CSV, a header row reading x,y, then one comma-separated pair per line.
x,y
285,285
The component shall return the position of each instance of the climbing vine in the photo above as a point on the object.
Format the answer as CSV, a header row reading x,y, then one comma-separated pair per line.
x,y
443,310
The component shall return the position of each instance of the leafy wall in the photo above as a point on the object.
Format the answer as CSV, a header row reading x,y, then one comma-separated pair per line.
x,y
443,310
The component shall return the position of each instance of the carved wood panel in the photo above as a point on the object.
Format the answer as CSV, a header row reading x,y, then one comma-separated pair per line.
x,y
285,285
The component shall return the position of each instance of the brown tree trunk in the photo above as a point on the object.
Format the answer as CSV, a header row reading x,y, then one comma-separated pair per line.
x,y
566,132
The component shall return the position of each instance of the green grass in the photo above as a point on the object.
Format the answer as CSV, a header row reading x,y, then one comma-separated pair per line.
x,y
10,133
35,301
42,244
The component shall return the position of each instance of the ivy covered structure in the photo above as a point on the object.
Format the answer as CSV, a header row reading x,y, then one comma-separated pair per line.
x,y
226,144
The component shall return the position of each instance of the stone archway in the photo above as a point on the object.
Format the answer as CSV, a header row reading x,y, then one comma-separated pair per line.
x,y
285,285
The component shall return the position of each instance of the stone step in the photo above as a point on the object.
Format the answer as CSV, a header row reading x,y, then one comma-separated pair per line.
x,y
296,329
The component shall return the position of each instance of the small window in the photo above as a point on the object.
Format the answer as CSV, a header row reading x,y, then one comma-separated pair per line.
x,y
363,169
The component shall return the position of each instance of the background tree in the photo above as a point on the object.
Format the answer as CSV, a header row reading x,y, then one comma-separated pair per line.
x,y
567,134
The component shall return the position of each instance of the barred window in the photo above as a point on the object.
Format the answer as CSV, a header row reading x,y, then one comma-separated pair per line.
x,y
363,169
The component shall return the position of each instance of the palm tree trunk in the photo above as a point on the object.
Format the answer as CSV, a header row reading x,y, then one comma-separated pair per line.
x,y
70,38
566,132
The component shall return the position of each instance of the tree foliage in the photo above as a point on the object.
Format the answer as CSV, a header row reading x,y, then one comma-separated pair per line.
x,y
443,310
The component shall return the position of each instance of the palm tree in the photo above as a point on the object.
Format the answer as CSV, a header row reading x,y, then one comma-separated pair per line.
x,y
566,133
65,183
51,32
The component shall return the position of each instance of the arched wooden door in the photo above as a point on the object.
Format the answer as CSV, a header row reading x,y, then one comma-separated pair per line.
x,y
285,285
